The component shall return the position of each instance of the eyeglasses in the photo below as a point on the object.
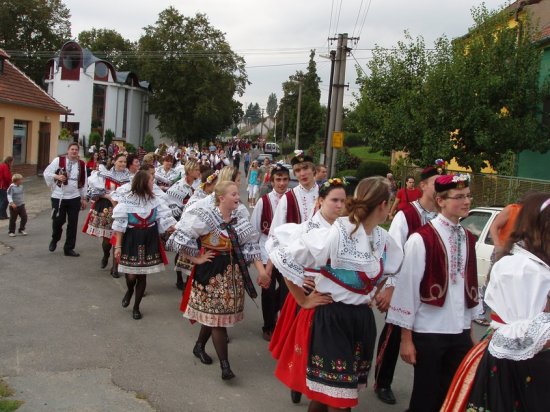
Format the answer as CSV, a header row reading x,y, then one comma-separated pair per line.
x,y
461,197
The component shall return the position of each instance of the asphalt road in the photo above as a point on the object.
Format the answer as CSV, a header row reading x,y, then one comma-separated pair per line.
x,y
66,344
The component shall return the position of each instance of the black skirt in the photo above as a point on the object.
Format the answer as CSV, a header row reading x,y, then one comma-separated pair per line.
x,y
507,385
141,251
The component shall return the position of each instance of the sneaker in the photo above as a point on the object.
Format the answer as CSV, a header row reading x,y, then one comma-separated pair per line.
x,y
11,234
22,232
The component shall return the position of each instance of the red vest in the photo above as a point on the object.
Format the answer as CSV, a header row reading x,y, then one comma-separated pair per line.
x,y
292,209
435,282
267,214
414,221
81,171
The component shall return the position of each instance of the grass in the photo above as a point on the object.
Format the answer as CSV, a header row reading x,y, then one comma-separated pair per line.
x,y
8,405
364,153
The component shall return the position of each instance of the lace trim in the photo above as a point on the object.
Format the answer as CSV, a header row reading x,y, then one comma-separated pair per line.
x,y
332,391
141,270
524,347
214,321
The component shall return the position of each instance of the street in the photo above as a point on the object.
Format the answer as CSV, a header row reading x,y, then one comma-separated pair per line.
x,y
66,344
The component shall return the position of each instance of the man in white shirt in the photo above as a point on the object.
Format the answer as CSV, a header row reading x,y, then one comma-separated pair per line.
x,y
262,216
436,295
66,176
405,223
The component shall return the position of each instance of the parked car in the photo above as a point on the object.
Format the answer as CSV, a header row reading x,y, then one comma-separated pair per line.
x,y
262,156
272,148
478,222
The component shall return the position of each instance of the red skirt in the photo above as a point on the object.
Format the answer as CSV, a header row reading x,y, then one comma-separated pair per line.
x,y
283,326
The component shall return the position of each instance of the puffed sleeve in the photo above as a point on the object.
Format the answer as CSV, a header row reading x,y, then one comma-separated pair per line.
x,y
96,185
406,296
120,218
188,230
165,219
121,192
281,246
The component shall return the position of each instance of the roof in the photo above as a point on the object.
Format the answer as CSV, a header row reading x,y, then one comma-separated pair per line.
x,y
17,88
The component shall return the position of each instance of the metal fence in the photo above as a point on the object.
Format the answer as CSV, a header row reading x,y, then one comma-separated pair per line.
x,y
490,189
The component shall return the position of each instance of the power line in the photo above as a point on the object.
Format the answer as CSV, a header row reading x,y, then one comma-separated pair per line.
x,y
358,64
357,19
338,20
330,24
364,19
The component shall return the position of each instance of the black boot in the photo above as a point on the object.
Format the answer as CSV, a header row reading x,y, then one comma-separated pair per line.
x,y
199,352
114,272
295,396
227,373
106,246
180,284
105,260
127,297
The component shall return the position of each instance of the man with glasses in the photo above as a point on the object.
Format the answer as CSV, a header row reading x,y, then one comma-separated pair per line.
x,y
436,295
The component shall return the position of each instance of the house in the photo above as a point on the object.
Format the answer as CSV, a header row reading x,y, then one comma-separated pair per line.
x,y
29,120
100,97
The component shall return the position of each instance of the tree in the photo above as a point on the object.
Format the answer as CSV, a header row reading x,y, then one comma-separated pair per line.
x,y
194,75
31,31
253,113
476,99
110,45
271,107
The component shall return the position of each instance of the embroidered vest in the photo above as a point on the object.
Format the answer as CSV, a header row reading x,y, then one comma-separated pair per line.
x,y
81,171
435,282
414,221
267,214
292,209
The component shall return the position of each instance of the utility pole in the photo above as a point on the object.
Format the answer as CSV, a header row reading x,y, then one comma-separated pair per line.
x,y
297,142
262,125
337,100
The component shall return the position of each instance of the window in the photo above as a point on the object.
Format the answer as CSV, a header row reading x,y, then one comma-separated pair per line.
x,y
98,106
20,130
71,61
475,222
101,71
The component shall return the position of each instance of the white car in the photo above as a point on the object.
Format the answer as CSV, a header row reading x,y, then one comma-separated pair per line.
x,y
478,222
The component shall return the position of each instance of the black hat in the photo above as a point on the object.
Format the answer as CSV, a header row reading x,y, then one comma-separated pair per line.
x,y
448,182
300,158
279,168
428,172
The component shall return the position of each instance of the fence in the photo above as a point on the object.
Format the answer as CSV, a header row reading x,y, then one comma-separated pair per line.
x,y
490,189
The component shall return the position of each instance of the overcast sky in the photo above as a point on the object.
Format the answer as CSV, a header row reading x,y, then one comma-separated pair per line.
x,y
275,36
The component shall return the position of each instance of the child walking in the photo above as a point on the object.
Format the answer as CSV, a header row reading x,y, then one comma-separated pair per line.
x,y
253,183
16,202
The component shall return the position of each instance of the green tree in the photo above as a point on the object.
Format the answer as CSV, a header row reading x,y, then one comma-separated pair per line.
x,y
271,107
31,30
110,45
253,113
194,74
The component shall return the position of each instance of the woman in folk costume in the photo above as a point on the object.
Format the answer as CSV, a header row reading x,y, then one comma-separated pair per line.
x,y
165,174
509,371
330,347
138,219
101,185
209,178
215,295
179,193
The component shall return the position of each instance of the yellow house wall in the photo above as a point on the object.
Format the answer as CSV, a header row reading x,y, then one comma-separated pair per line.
x,y
9,113
452,165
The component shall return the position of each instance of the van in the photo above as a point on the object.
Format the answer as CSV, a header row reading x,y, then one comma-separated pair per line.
x,y
272,148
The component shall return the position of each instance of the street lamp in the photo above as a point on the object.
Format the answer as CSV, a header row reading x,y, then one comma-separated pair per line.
x,y
298,113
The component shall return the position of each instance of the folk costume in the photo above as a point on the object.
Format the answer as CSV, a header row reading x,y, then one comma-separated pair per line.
x,y
508,371
178,195
166,178
405,223
215,295
436,297
66,199
100,218
328,352
273,297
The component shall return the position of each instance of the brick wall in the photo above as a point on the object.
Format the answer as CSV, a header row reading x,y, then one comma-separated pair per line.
x,y
25,169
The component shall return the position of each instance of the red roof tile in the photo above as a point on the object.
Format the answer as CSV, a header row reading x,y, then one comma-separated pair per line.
x,y
16,88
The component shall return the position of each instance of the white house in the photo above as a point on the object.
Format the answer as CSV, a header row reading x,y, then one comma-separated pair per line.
x,y
100,98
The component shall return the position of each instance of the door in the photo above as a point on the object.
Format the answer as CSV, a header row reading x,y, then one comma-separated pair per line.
x,y
43,147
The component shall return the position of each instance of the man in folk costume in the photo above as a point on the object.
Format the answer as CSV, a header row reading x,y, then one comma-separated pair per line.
x,y
66,176
262,216
405,223
436,295
296,206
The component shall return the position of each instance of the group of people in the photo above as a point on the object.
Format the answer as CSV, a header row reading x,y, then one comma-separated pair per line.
x,y
323,263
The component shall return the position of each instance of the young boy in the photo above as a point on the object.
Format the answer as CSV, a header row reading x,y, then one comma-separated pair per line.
x,y
436,295
16,202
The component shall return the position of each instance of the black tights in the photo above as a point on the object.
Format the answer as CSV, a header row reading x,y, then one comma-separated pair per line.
x,y
106,246
219,339
139,282
316,406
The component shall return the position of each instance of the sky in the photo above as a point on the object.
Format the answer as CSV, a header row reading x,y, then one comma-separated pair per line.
x,y
275,36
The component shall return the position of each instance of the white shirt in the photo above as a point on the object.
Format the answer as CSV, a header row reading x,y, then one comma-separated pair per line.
x,y
406,309
306,204
256,220
70,190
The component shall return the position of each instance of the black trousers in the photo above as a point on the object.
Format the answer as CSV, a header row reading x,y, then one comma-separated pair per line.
x,y
67,212
391,338
22,213
273,299
4,203
438,356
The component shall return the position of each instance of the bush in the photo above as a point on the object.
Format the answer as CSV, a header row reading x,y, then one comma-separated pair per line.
x,y
346,172
130,148
94,139
108,139
344,159
149,143
367,169
354,139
